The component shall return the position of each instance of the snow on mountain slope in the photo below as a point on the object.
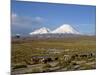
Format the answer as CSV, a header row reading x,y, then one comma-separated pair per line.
x,y
65,28
42,30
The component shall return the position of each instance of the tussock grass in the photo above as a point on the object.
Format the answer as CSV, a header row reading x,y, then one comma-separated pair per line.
x,y
23,50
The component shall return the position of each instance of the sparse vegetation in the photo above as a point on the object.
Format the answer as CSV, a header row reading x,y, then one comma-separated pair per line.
x,y
17,66
75,53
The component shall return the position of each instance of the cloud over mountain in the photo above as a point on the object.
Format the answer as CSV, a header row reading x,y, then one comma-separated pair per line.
x,y
21,23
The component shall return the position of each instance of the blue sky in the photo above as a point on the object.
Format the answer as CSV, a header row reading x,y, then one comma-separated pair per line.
x,y
28,16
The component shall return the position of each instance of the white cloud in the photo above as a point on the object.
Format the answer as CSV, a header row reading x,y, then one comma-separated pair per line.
x,y
13,16
38,20
25,21
17,20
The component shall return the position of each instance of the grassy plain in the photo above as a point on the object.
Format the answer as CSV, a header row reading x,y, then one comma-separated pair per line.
x,y
81,52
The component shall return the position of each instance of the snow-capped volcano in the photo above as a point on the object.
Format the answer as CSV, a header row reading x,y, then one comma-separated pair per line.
x,y
42,30
65,28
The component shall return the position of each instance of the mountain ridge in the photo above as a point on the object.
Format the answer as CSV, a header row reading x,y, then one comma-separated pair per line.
x,y
63,29
42,30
